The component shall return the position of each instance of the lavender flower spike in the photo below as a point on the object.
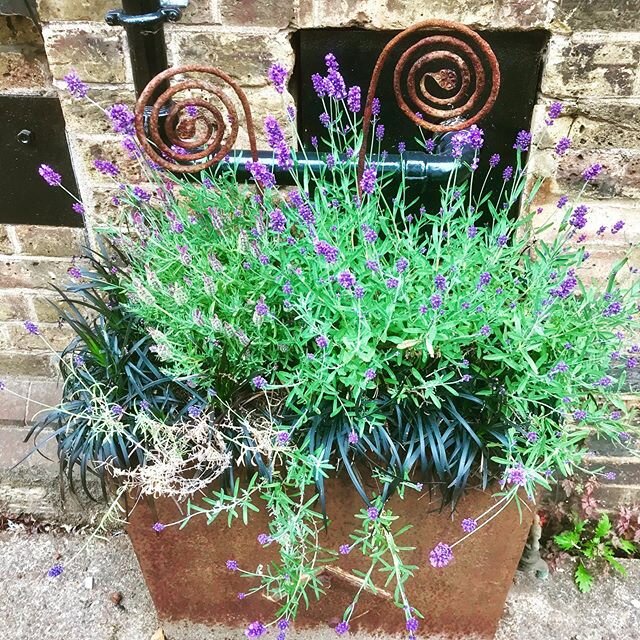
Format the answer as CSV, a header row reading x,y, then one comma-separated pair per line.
x,y
441,555
52,178
277,75
75,86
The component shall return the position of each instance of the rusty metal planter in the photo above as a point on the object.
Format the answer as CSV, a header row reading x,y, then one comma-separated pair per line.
x,y
186,575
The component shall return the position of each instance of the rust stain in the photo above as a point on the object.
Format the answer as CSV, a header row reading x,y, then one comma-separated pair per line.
x,y
186,575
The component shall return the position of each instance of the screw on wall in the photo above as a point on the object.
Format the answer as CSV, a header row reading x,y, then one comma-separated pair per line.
x,y
25,136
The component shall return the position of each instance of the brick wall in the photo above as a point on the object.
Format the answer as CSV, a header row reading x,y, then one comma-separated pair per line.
x,y
591,65
30,257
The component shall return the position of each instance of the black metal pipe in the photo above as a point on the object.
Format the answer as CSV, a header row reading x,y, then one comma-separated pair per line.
x,y
143,22
416,165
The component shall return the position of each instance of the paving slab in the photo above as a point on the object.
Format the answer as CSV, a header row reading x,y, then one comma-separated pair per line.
x,y
101,596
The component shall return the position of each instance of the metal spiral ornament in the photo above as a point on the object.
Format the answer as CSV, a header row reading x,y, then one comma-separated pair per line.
x,y
189,134
446,81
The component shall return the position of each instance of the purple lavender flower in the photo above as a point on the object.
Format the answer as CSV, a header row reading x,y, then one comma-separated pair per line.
x,y
579,415
325,120
344,549
592,172
402,147
507,174
141,194
255,630
158,527
346,279
632,363
369,234
259,382
562,202
485,330
232,565
55,571
353,438
532,437
353,99
475,137
122,119
485,279
379,132
412,624
241,596
75,86
195,411
401,265
516,475
372,265
436,301
441,555
472,231
31,327
566,287
52,178
368,182
375,107
319,85
605,381
617,226
276,140
494,160
370,374
264,539
523,141
392,283
440,282
327,251
373,513
78,208
116,410
322,342
616,415
106,168
287,289
277,75
610,475
555,109
612,310
560,367
314,142
579,217
261,174
562,146
342,628
277,221
261,308
502,241
430,145
469,524
74,272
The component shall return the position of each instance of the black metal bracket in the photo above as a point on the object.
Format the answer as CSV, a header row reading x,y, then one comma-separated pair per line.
x,y
118,18
143,21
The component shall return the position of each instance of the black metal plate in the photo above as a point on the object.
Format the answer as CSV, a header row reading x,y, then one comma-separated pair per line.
x,y
519,55
24,197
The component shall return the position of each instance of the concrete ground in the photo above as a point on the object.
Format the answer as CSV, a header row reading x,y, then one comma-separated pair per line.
x,y
101,596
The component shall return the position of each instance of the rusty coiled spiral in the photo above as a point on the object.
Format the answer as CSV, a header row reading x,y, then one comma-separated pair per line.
x,y
185,143
455,59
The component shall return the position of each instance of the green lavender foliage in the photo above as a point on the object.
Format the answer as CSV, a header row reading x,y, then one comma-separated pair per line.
x,y
485,335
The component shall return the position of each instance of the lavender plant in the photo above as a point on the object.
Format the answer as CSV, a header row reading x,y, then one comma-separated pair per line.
x,y
340,327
